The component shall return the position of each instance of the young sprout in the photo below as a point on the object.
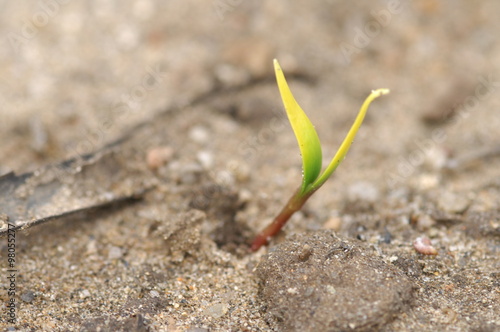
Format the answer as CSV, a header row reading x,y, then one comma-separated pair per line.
x,y
310,149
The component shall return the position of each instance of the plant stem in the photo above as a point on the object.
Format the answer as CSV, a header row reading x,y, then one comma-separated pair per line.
x,y
294,204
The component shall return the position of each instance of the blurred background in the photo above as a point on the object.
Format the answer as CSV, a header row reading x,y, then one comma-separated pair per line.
x,y
74,74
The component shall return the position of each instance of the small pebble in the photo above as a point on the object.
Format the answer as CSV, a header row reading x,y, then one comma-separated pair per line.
x,y
84,294
424,246
216,310
91,247
428,181
28,296
364,191
330,289
257,61
386,237
392,259
240,170
244,196
206,159
305,253
39,134
424,222
189,173
224,178
115,253
436,158
453,203
333,223
231,75
199,134
127,36
159,156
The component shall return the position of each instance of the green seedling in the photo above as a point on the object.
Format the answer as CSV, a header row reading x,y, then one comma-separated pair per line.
x,y
310,149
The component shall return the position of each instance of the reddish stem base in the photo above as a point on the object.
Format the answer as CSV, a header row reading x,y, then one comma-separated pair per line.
x,y
294,204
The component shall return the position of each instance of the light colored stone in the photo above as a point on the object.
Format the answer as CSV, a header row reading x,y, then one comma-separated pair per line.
x,y
159,156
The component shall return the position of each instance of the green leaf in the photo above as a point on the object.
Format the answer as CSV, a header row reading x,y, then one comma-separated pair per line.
x,y
346,144
309,144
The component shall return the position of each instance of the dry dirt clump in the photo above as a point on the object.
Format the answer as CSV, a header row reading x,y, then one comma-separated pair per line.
x,y
320,282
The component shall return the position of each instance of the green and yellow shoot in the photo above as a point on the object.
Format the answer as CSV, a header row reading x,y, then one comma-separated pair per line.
x,y
310,149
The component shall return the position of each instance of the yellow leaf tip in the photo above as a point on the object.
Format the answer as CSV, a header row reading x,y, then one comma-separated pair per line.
x,y
380,92
276,65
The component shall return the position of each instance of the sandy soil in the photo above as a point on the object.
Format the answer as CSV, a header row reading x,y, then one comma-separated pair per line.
x,y
192,155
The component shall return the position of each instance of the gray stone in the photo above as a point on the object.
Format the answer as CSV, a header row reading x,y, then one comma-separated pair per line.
x,y
216,310
28,296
